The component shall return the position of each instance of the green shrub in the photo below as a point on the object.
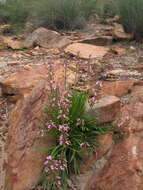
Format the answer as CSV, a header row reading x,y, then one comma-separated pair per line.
x,y
105,8
62,14
15,11
131,16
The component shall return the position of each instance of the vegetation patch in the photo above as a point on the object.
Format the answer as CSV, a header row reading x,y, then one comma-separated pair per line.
x,y
131,16
73,130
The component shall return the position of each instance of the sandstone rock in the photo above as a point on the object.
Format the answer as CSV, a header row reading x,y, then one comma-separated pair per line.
x,y
86,51
136,95
88,158
24,163
124,167
116,88
98,41
21,83
12,42
105,109
46,39
118,32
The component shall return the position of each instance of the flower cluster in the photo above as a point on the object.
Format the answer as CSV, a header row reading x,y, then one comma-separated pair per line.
x,y
53,168
64,117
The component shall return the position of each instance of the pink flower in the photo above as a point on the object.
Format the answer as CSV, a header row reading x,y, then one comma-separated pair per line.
x,y
49,157
41,132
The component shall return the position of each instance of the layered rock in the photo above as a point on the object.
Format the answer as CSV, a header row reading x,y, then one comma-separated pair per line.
x,y
24,164
124,167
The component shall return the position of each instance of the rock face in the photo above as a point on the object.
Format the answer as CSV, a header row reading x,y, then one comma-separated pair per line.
x,y
116,88
21,83
86,51
46,38
106,142
105,110
24,163
124,167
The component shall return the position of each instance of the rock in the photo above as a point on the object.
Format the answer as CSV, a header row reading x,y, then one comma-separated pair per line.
x,y
86,51
46,39
124,167
116,88
119,33
21,83
122,74
24,164
135,67
98,41
105,109
88,158
136,95
12,42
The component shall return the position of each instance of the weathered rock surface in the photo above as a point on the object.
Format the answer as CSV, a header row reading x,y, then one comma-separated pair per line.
x,y
89,159
124,167
94,161
12,42
105,109
116,88
86,51
21,83
46,38
98,41
24,162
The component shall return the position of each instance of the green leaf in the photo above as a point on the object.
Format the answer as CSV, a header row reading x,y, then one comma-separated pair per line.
x,y
46,148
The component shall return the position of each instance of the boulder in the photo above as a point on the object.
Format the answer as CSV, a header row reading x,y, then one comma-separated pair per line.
x,y
46,38
86,51
105,109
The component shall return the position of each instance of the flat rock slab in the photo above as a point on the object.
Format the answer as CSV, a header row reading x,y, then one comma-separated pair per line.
x,y
86,51
99,41
105,110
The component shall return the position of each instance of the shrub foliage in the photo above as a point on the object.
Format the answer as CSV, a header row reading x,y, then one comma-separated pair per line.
x,y
131,16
